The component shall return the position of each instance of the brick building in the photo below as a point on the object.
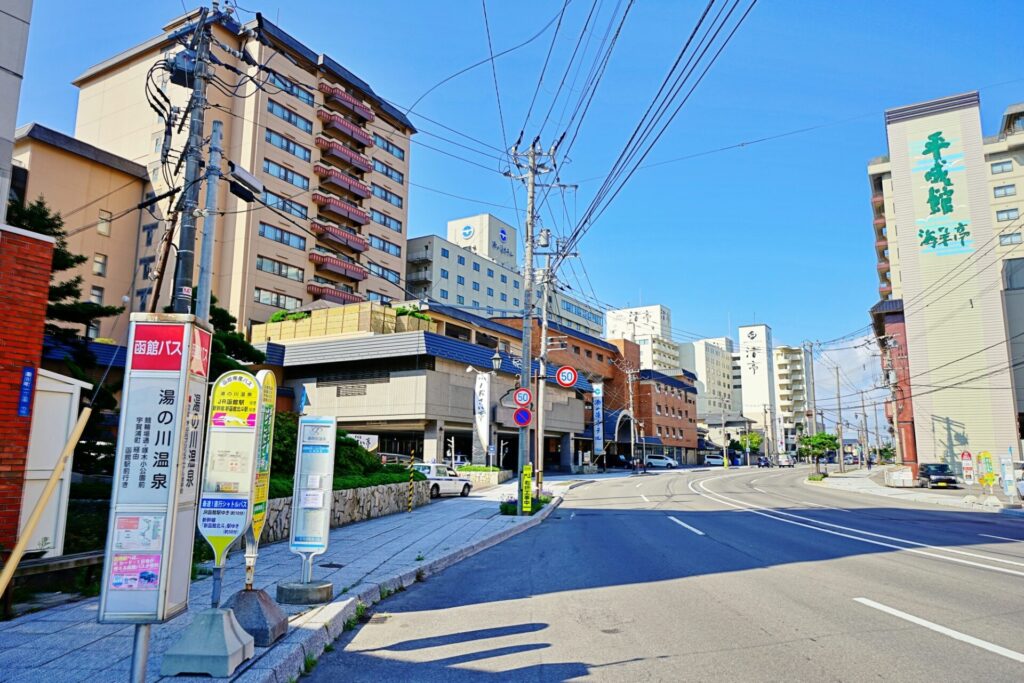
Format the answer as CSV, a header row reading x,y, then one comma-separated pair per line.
x,y
24,285
666,411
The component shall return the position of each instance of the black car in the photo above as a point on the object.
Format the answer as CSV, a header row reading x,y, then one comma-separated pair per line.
x,y
935,475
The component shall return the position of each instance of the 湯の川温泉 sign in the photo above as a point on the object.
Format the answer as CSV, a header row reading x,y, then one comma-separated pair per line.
x,y
148,562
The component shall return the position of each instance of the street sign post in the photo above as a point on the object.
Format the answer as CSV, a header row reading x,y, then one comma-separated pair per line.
x,y
598,419
967,463
566,376
522,417
1006,473
522,397
265,440
986,471
311,507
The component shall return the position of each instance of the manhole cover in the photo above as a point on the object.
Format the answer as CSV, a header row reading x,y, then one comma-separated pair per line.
x,y
331,565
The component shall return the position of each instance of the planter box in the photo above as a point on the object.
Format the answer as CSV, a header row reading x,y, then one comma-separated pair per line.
x,y
350,505
485,480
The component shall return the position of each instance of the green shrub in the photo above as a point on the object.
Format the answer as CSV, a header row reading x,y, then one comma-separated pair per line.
x,y
411,312
281,486
508,506
817,477
479,468
281,316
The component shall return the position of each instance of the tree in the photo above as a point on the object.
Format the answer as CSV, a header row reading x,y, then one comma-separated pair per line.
x,y
229,350
755,439
64,306
817,445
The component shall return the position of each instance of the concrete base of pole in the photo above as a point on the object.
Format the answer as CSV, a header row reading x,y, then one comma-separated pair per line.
x,y
313,593
213,644
259,615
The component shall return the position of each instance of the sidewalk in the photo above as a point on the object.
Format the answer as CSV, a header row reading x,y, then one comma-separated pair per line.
x,y
363,561
863,481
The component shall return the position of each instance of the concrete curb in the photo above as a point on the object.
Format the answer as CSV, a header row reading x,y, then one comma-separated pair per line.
x,y
310,632
952,503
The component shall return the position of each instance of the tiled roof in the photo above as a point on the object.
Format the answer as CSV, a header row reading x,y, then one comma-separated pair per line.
x,y
37,131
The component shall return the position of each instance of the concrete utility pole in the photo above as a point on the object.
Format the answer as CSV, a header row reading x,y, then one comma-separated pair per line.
x,y
809,383
765,441
878,436
839,424
864,424
185,266
525,375
632,419
542,369
209,225
890,380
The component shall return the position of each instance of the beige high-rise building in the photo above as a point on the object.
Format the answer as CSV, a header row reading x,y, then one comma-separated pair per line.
x,y
711,361
794,395
651,328
332,154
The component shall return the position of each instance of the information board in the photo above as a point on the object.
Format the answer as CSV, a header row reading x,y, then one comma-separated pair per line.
x,y
148,559
526,488
312,494
261,492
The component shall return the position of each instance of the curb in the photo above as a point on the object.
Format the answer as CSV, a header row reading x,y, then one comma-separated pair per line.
x,y
958,504
310,632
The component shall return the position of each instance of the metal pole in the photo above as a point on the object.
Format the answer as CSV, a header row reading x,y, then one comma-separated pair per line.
x,y
839,425
140,653
527,369
218,582
209,225
864,423
632,421
542,371
725,442
878,436
809,382
185,266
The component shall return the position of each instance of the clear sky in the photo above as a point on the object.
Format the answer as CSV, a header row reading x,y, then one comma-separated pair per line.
x,y
777,232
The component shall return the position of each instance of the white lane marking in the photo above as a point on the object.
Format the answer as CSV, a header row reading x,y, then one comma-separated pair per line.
x,y
1001,538
646,499
572,515
639,485
956,635
719,498
687,526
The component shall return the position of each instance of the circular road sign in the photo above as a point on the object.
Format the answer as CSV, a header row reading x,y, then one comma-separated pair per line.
x,y
566,376
522,396
522,417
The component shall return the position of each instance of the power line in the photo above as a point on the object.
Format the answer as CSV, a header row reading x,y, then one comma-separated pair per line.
x,y
543,70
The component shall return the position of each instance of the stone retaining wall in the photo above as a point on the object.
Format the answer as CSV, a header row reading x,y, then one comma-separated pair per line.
x,y
350,505
485,480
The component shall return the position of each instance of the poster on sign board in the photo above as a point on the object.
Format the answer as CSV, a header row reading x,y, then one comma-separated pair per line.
x,y
312,495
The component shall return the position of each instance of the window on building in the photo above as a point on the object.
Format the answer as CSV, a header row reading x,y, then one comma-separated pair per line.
x,y
460,280
389,147
589,353
149,229
444,293
377,296
515,284
386,273
490,272
385,194
600,357
1011,238
1007,215
1005,191
96,295
490,291
476,286
281,204
280,268
460,299
476,266
285,174
515,302
290,146
103,226
393,223
99,265
476,304
1002,167
657,409
395,175
276,299
444,252
504,279
576,350
461,260
283,236
385,246
503,296
283,112
291,88
444,273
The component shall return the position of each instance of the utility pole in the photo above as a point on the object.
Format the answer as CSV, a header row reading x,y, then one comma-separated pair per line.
x,y
209,225
890,380
632,418
864,422
185,266
839,424
809,388
542,370
725,441
765,441
878,436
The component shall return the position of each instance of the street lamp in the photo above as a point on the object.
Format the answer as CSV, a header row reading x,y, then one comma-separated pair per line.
x,y
496,361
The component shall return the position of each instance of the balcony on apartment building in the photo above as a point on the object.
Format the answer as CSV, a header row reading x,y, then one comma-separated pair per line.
x,y
877,199
883,266
879,222
336,263
335,294
335,94
885,289
882,243
418,277
333,232
327,202
342,154
340,124
334,177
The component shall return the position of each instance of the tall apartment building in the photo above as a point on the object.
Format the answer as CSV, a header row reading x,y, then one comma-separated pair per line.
x,y
14,21
651,328
757,371
333,156
476,268
794,395
711,361
948,234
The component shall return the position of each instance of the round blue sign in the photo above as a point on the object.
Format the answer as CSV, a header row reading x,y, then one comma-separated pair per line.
x,y
522,417
503,235
467,231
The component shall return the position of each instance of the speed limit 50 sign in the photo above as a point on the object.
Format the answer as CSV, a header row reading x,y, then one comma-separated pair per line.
x,y
566,376
522,396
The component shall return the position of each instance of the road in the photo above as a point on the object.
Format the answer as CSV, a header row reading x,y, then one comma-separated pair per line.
x,y
742,575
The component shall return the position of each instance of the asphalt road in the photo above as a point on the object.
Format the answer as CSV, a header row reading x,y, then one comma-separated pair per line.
x,y
743,575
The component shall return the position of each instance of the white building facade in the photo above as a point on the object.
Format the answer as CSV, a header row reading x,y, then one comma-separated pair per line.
x,y
651,328
794,394
711,361
757,371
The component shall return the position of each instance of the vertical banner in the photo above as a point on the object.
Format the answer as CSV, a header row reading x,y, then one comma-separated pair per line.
x,y
986,471
148,561
261,492
314,478
1006,472
481,418
598,418
229,471
967,463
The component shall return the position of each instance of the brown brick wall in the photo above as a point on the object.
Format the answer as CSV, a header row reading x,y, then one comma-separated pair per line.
x,y
24,285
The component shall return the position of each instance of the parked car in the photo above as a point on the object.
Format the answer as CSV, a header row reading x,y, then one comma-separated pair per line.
x,y
444,481
763,461
937,474
713,459
661,461
786,460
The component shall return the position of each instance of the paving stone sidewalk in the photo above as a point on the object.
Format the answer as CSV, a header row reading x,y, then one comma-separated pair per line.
x,y
364,560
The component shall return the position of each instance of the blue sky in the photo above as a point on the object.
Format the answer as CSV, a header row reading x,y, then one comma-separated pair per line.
x,y
777,232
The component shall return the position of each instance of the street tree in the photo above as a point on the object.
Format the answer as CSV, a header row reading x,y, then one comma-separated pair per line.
x,y
816,445
754,439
